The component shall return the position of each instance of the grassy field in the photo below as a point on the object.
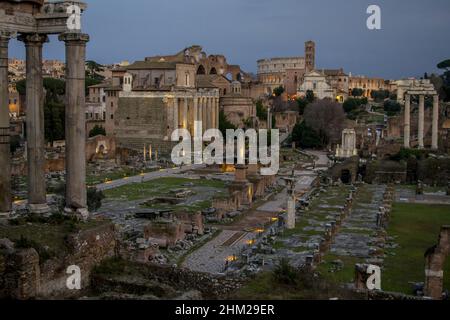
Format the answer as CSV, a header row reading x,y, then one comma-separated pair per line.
x,y
48,238
94,179
416,228
160,187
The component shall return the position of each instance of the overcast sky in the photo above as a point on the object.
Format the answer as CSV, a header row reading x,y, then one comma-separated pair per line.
x,y
414,36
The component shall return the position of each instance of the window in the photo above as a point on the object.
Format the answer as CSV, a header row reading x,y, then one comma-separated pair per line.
x,y
112,104
112,116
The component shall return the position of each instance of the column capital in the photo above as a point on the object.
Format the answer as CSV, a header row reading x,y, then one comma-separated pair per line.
x,y
80,38
6,35
33,38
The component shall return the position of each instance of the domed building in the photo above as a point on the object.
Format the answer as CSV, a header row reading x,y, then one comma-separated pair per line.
x,y
238,109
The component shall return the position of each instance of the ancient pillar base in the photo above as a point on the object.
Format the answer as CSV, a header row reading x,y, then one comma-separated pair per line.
x,y
81,213
38,208
290,221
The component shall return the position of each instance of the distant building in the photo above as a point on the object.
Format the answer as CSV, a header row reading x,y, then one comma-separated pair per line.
x,y
96,105
238,109
316,82
147,100
287,72
367,85
339,82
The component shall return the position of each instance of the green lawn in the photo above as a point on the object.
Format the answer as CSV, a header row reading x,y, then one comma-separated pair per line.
x,y
417,229
159,187
94,179
46,235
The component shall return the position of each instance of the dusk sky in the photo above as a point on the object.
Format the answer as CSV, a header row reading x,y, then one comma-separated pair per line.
x,y
413,39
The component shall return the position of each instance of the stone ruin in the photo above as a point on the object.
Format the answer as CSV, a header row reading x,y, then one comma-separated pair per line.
x,y
33,21
435,258
348,147
247,186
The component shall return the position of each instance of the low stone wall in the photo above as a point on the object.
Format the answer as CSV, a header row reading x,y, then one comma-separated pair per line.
x,y
24,277
385,171
168,232
211,286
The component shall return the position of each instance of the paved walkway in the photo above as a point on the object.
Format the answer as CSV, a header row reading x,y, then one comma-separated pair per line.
x,y
213,256
163,173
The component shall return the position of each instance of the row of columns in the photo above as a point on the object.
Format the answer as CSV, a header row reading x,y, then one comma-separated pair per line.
x,y
421,126
76,201
205,109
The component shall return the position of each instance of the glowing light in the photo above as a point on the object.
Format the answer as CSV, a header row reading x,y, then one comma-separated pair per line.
x,y
142,174
251,242
259,230
231,258
274,219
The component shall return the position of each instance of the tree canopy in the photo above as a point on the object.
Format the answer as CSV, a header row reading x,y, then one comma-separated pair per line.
x,y
278,91
96,131
326,117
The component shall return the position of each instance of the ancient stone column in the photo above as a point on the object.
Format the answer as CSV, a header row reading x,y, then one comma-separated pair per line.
x,y
434,140
204,114
5,156
175,113
407,128
208,113
217,112
37,194
196,108
420,134
290,221
200,111
76,202
185,113
213,112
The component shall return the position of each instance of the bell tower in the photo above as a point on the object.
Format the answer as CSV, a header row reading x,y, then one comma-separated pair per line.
x,y
310,56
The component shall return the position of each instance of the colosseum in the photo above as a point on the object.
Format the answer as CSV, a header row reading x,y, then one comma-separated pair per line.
x,y
286,71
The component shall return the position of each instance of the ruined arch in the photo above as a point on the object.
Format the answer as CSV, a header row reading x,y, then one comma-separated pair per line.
x,y
435,259
213,71
201,70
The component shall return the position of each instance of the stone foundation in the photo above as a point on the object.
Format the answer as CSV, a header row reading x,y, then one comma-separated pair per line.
x,y
24,277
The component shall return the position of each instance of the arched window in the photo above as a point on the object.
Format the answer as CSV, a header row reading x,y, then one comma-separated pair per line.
x,y
201,70
213,71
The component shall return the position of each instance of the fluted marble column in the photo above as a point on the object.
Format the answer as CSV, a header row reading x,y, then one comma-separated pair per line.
x,y
204,115
76,199
420,133
200,111
37,194
217,112
195,116
5,153
185,114
407,128
435,129
175,114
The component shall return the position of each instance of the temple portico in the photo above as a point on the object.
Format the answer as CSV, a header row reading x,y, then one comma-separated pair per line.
x,y
198,106
408,89
32,21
